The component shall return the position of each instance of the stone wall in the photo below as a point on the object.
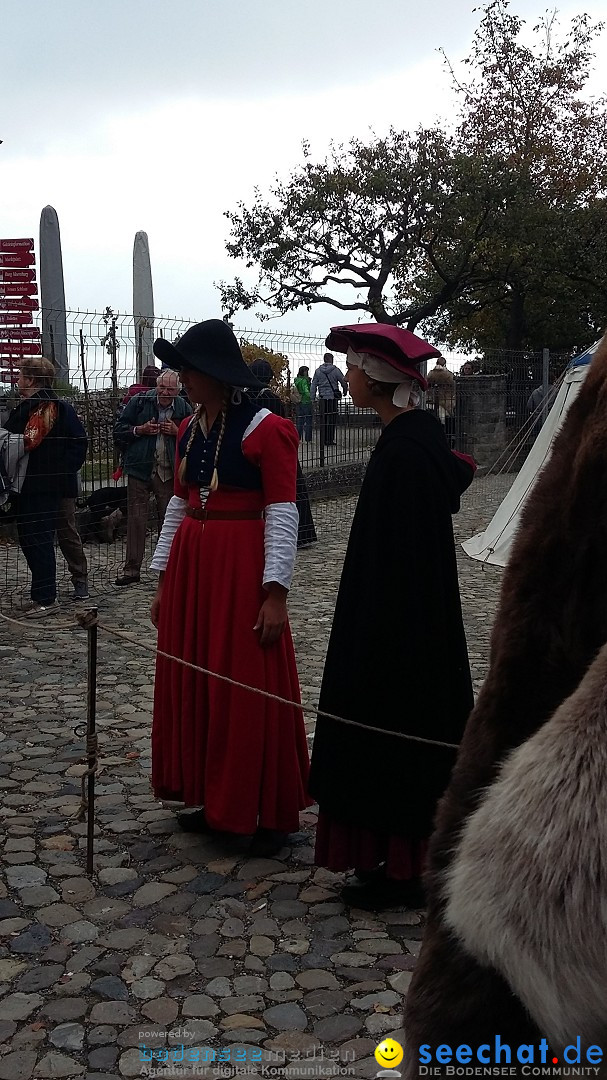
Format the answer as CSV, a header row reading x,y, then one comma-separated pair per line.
x,y
481,417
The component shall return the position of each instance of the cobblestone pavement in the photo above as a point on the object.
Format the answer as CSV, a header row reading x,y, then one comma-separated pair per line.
x,y
177,933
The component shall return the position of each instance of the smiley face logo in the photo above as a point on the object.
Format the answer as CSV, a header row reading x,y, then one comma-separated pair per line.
x,y
389,1054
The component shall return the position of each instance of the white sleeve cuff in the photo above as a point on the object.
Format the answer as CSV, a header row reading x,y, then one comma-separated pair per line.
x,y
282,521
175,513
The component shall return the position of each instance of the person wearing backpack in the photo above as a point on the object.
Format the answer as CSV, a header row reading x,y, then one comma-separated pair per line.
x,y
326,382
146,432
300,396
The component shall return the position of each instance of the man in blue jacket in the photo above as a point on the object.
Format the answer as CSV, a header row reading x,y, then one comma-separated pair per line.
x,y
146,431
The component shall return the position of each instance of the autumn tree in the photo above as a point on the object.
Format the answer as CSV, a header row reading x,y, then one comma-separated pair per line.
x,y
358,230
494,234
542,277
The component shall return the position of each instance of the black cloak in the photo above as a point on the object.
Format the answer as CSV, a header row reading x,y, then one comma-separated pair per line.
x,y
397,656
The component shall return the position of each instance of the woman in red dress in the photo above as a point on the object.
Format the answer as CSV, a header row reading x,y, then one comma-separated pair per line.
x,y
225,556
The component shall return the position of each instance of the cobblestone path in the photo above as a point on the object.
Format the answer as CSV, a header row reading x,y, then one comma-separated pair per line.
x,y
179,942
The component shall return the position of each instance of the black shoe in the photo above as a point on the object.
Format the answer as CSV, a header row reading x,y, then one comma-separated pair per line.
x,y
127,580
193,821
376,874
384,893
267,842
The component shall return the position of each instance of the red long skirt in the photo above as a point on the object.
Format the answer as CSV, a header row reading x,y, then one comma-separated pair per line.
x,y
241,756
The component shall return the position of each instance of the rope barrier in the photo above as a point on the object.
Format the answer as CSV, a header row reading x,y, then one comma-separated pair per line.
x,y
305,709
273,697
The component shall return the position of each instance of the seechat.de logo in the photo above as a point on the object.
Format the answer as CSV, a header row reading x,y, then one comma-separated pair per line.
x,y
500,1059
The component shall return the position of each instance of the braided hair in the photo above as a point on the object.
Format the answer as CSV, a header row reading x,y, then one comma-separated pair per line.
x,y
181,475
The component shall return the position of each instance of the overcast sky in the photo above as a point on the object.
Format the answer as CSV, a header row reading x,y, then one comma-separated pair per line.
x,y
144,114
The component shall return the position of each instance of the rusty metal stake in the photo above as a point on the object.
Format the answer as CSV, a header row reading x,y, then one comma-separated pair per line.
x,y
88,621
91,740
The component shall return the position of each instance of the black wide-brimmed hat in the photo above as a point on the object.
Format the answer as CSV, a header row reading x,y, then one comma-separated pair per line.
x,y
211,348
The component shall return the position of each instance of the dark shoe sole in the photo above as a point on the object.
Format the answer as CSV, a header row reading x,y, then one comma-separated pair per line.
x,y
267,842
193,821
120,582
381,895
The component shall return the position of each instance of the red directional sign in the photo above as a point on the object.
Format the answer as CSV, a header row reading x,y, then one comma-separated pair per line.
x,y
14,318
17,275
24,303
17,288
13,333
20,348
22,243
17,258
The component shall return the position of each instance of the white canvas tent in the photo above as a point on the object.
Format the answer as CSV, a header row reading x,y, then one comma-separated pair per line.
x,y
493,545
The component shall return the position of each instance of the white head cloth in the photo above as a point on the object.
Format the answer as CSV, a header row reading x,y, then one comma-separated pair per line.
x,y
382,371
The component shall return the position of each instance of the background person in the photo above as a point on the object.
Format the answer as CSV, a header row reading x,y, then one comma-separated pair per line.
x,y
441,393
225,558
303,408
56,443
266,398
398,606
70,544
541,396
149,377
326,383
147,432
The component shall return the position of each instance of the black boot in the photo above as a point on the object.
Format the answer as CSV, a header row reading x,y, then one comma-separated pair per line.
x,y
267,842
193,821
382,893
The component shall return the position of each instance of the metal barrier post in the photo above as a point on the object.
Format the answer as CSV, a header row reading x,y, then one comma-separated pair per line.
x,y
89,622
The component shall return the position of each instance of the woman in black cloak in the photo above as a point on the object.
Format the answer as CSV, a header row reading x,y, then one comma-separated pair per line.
x,y
397,610
262,370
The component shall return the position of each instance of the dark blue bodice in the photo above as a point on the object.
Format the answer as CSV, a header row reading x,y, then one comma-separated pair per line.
x,y
233,468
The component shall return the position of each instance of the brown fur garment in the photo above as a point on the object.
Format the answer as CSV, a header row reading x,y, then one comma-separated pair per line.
x,y
541,832
551,623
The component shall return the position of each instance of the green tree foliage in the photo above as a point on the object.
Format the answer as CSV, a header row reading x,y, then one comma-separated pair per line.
x,y
542,278
494,234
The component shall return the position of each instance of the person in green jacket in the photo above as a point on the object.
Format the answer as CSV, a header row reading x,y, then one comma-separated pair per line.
x,y
147,432
303,407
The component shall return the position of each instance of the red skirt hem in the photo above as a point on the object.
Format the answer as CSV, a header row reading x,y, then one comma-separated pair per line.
x,y
343,846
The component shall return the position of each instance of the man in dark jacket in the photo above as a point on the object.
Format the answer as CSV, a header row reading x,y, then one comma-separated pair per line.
x,y
56,443
146,431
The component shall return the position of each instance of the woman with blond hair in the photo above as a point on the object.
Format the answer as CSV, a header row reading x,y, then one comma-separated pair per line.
x,y
225,557
55,442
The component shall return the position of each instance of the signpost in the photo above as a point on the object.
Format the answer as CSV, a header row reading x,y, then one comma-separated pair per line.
x,y
18,288
17,258
15,318
19,332
18,292
20,348
26,303
17,275
21,244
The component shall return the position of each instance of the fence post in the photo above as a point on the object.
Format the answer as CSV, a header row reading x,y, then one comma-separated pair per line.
x,y
545,382
139,368
52,342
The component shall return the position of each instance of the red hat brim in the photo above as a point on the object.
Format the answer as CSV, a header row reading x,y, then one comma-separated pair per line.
x,y
397,346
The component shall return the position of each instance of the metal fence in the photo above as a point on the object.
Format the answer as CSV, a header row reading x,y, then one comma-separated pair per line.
x,y
106,352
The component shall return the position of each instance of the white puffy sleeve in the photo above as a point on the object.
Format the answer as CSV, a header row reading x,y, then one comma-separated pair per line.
x,y
175,513
271,442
